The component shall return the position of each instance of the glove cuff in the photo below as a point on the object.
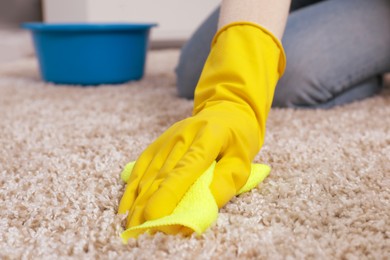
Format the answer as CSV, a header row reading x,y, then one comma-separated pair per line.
x,y
282,58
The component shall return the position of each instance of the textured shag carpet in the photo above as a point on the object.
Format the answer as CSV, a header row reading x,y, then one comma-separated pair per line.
x,y
63,148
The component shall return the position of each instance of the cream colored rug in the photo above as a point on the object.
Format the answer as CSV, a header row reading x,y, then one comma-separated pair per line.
x,y
63,148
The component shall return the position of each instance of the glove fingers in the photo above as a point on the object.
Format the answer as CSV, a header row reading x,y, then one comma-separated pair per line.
x,y
136,217
141,165
164,161
131,191
230,174
127,199
151,180
137,192
202,152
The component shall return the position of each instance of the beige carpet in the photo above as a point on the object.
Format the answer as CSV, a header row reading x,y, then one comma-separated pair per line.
x,y
62,150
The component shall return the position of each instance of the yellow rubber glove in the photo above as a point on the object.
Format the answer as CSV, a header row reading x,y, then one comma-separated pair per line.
x,y
232,101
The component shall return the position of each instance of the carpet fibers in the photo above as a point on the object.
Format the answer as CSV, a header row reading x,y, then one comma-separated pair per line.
x,y
63,148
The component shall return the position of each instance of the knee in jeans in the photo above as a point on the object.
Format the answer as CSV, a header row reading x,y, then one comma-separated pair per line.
x,y
299,88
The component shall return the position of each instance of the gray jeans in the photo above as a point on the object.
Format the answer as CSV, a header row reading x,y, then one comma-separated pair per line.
x,y
337,52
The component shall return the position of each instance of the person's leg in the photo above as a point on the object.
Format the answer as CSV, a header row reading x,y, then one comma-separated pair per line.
x,y
195,51
336,51
298,4
194,54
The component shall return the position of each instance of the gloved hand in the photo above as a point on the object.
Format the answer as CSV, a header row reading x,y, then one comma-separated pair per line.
x,y
196,211
232,100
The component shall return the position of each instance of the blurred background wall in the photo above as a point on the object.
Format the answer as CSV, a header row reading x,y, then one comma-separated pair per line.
x,y
14,12
177,19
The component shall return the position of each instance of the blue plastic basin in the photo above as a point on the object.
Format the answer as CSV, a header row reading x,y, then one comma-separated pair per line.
x,y
90,54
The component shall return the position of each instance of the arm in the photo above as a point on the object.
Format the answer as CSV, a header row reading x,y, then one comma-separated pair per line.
x,y
231,104
270,14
